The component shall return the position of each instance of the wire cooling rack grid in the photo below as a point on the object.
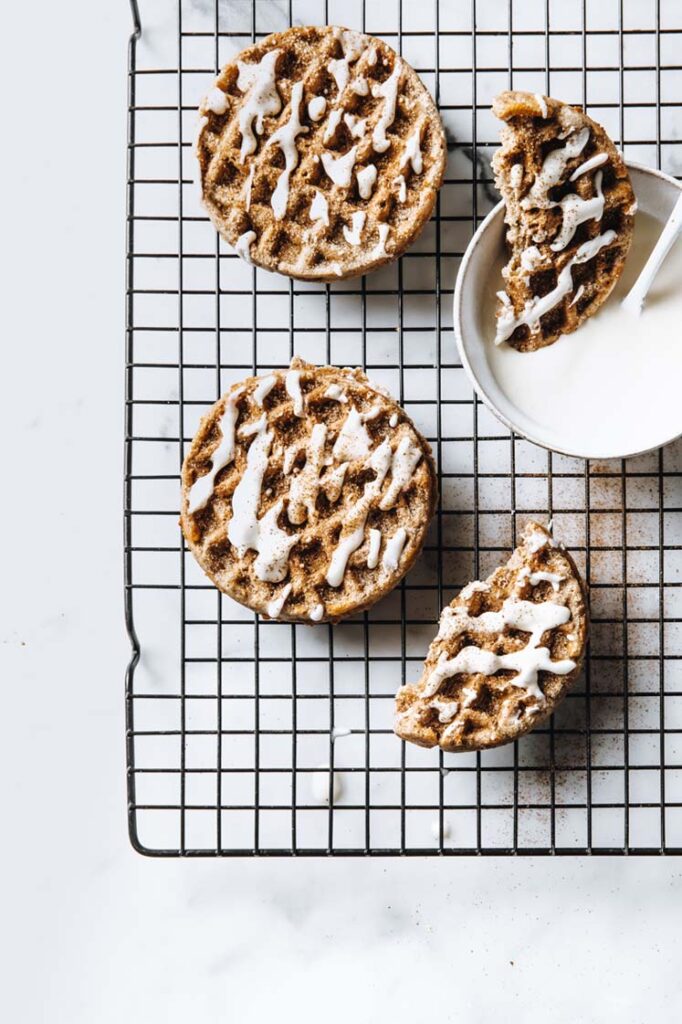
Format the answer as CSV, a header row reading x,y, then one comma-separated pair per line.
x,y
229,717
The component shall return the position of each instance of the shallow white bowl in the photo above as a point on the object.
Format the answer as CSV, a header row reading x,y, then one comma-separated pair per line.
x,y
610,426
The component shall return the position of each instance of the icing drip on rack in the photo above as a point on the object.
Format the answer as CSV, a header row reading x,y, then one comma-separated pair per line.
x,y
262,101
202,488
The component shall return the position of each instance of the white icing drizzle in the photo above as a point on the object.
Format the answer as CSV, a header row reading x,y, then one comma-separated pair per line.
x,y
216,101
289,459
317,613
340,72
372,56
305,486
263,99
405,460
576,211
374,548
366,177
340,168
537,540
353,235
285,138
316,108
202,488
402,188
353,441
516,175
360,86
526,616
530,259
332,482
337,268
394,549
552,170
355,125
536,308
245,530
595,161
349,542
550,577
388,91
292,383
380,247
447,709
542,103
257,427
331,126
393,421
335,392
412,154
578,295
504,298
243,245
476,586
247,188
263,388
275,606
352,45
319,208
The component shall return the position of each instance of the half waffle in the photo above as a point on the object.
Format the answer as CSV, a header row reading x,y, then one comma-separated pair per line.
x,y
507,651
307,493
321,153
570,212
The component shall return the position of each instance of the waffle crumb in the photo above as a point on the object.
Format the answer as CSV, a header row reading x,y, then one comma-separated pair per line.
x,y
307,493
570,214
507,651
321,153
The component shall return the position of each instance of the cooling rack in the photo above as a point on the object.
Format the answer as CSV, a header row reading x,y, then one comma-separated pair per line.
x,y
229,718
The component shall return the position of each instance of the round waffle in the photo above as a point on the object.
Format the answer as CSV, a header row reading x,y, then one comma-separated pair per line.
x,y
307,493
570,209
507,651
321,153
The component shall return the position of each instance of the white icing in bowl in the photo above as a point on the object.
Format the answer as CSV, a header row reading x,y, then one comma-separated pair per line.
x,y
610,389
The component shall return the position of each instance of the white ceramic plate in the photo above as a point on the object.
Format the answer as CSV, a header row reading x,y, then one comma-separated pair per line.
x,y
598,393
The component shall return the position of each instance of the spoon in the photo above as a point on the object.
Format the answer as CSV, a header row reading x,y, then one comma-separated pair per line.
x,y
634,300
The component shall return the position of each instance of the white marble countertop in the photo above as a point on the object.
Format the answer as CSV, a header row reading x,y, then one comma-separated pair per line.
x,y
92,931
